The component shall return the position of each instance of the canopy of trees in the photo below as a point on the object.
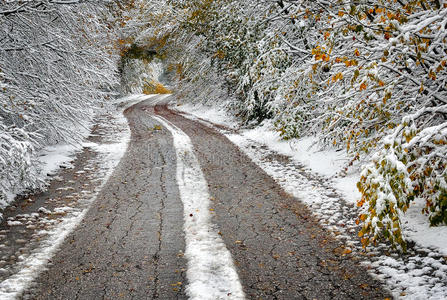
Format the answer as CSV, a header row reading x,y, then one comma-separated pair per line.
x,y
366,76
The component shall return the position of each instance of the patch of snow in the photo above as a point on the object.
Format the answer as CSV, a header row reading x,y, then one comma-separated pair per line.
x,y
211,273
14,223
305,150
65,209
216,115
347,186
44,211
53,157
417,228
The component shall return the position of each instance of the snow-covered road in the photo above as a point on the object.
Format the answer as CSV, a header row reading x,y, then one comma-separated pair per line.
x,y
185,214
211,273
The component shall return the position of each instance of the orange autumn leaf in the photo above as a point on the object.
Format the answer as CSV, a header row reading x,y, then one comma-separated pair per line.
x,y
347,251
336,77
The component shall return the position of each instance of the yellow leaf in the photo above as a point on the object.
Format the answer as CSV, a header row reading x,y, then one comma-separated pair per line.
x,y
347,251
364,286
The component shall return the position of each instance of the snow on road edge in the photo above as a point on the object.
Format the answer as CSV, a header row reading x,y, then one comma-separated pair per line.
x,y
211,272
422,275
35,263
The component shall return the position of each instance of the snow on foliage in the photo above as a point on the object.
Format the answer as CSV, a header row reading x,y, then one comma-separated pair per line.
x,y
57,64
365,76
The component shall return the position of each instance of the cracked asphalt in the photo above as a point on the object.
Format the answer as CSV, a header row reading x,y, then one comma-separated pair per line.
x,y
280,250
130,244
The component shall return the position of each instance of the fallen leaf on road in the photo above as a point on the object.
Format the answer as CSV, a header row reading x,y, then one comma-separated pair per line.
x,y
364,286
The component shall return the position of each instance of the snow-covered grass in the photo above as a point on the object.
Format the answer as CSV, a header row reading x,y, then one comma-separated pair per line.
x,y
211,273
51,237
314,177
53,157
214,114
418,229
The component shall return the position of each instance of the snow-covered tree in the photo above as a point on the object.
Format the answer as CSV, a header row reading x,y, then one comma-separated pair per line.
x,y
57,64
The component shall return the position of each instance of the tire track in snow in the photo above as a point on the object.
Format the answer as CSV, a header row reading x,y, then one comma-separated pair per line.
x,y
211,272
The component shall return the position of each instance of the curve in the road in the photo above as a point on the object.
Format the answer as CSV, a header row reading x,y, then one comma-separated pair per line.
x,y
131,243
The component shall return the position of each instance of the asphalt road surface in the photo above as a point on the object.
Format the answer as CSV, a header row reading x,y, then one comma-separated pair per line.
x,y
131,243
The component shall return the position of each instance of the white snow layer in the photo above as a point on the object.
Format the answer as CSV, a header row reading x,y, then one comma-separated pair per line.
x,y
34,264
211,273
216,115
